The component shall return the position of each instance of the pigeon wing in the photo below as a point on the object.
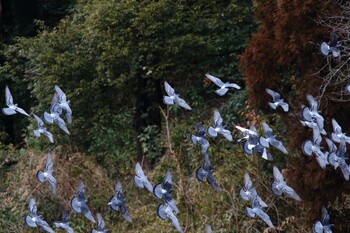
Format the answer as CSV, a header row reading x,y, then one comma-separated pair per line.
x,y
215,80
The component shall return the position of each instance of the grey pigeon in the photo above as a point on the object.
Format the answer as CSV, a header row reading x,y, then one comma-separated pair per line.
x,y
117,202
331,47
165,211
46,175
141,180
218,128
164,189
314,147
173,97
208,229
12,108
35,220
200,139
313,125
311,113
248,192
276,100
101,227
54,115
323,226
251,138
262,152
206,172
64,223
223,86
79,204
338,135
42,129
279,186
337,157
257,210
63,103
270,139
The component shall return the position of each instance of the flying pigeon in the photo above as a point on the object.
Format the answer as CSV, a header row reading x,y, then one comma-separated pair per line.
x,y
257,210
337,157
78,203
279,186
64,223
314,147
165,211
164,190
12,108
270,139
218,128
208,229
141,180
206,171
173,97
276,100
223,86
117,202
101,227
311,114
42,129
332,47
35,220
54,115
323,226
200,138
248,192
250,138
42,176
338,135
63,103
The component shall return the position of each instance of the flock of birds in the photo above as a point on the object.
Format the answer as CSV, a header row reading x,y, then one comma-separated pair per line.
x,y
252,143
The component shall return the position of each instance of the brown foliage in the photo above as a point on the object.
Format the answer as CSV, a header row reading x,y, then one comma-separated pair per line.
x,y
284,55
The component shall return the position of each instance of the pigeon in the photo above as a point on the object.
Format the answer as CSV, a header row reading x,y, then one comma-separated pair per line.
x,y
12,108
173,97
206,171
35,220
311,114
63,103
101,227
165,211
250,139
164,190
200,138
276,100
42,129
338,135
270,139
248,192
78,203
218,128
117,202
42,176
314,147
262,152
323,226
208,229
141,180
337,157
313,125
223,86
279,186
64,223
257,210
54,115
332,47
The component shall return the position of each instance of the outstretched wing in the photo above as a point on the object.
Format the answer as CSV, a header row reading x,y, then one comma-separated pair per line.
x,y
215,80
8,96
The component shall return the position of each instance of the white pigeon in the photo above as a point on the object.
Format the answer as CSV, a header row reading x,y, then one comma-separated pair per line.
x,y
223,86
173,97
35,220
42,129
141,180
63,103
279,186
218,128
12,108
331,47
338,135
165,211
276,100
46,175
